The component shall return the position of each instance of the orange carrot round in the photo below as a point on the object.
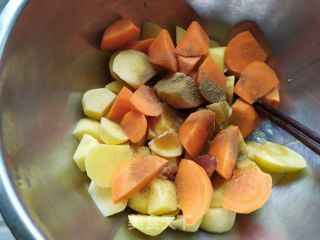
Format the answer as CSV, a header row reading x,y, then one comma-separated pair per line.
x,y
225,148
145,101
194,190
134,124
135,174
196,130
141,45
121,105
256,80
118,34
247,190
161,51
194,43
187,64
242,50
245,117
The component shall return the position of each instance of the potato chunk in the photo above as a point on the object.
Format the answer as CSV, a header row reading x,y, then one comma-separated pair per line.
x,y
222,114
179,91
218,220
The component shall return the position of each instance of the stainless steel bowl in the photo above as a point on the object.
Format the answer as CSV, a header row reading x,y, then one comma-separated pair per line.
x,y
52,56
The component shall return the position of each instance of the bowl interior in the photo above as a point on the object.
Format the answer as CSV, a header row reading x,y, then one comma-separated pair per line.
x,y
52,57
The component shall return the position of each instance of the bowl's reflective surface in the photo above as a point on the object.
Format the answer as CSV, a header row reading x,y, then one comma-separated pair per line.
x,y
52,57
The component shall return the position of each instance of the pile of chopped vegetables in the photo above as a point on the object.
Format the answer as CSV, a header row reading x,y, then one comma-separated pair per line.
x,y
170,148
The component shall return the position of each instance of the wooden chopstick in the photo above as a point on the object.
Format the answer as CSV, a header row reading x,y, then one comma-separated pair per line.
x,y
309,138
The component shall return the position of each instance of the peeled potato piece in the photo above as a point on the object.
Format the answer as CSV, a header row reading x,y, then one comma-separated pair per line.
x,y
166,145
87,126
133,67
179,91
163,197
180,223
86,144
103,160
149,30
115,86
140,201
222,112
230,80
111,132
150,225
103,200
218,220
275,157
97,102
217,55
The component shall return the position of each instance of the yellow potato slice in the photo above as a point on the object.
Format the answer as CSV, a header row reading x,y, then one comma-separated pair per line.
x,y
150,225
86,144
133,67
111,132
140,201
115,86
103,200
97,102
103,160
163,197
218,220
275,157
149,30
179,223
166,145
87,126
230,88
112,73
217,55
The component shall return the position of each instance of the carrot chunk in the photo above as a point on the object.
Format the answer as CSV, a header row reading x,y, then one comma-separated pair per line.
x,y
145,101
194,43
242,50
161,51
225,148
196,130
194,190
135,174
134,124
121,105
118,34
273,97
141,45
245,117
187,64
256,80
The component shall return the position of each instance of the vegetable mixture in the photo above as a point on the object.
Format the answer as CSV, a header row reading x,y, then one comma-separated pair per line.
x,y
166,137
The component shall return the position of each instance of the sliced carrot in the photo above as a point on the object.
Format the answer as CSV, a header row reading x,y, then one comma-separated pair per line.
x,y
211,81
141,45
256,80
273,97
135,174
242,50
134,124
244,116
247,190
194,43
118,34
121,105
187,64
225,148
196,130
161,51
145,101
194,190
254,29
